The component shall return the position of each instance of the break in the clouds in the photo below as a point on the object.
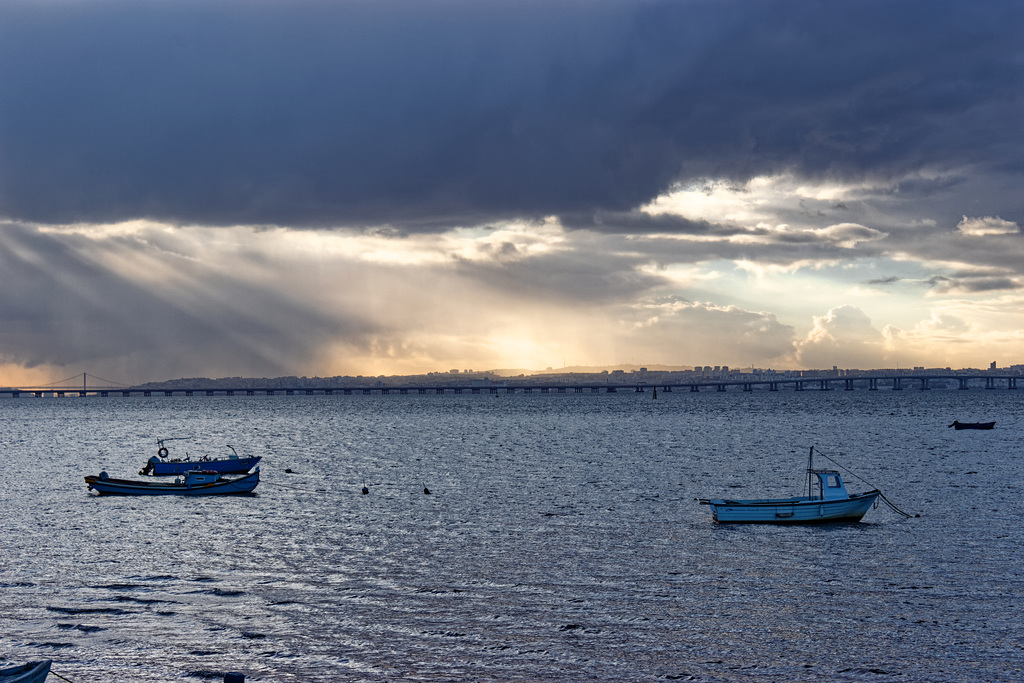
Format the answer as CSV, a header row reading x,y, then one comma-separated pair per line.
x,y
987,226
312,187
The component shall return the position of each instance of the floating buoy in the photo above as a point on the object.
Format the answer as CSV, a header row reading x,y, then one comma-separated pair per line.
x,y
288,470
234,677
365,490
426,490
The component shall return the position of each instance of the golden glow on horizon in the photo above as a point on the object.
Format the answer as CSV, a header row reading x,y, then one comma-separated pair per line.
x,y
14,375
387,303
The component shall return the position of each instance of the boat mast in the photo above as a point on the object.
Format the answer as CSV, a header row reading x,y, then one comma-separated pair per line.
x,y
810,466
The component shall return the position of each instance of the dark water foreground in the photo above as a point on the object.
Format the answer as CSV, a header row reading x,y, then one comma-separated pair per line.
x,y
561,540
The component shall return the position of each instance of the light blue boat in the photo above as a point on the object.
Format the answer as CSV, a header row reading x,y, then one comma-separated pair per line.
x,y
827,500
194,483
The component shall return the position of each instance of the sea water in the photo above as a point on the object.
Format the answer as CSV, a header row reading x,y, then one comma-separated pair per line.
x,y
560,540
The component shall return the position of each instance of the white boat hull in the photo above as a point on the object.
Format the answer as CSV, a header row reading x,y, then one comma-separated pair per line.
x,y
799,510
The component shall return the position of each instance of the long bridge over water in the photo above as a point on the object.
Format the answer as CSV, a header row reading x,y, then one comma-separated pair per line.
x,y
897,382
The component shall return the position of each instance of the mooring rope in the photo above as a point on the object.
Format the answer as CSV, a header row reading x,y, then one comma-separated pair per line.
x,y
856,476
297,488
893,506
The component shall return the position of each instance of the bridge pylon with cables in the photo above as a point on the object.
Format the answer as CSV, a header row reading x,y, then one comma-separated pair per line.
x,y
82,384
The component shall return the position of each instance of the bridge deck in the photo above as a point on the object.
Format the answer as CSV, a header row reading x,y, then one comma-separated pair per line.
x,y
872,383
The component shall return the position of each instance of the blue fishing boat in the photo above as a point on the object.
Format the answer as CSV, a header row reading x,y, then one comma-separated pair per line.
x,y
827,500
163,464
195,482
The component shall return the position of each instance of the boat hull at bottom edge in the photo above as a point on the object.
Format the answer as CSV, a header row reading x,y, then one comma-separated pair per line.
x,y
792,511
33,672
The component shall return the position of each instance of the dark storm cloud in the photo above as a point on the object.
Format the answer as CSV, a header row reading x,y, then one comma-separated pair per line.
x,y
891,280
575,278
426,115
641,223
973,285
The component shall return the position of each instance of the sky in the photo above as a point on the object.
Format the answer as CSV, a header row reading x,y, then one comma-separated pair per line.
x,y
301,187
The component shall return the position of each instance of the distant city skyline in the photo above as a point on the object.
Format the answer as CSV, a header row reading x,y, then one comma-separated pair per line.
x,y
653,374
225,188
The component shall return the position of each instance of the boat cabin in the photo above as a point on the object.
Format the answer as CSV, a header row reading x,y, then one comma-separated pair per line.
x,y
825,485
196,477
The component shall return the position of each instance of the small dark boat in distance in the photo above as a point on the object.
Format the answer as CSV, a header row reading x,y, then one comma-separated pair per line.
x,y
957,424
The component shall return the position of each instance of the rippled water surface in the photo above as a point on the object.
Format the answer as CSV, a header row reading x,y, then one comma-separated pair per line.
x,y
560,540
